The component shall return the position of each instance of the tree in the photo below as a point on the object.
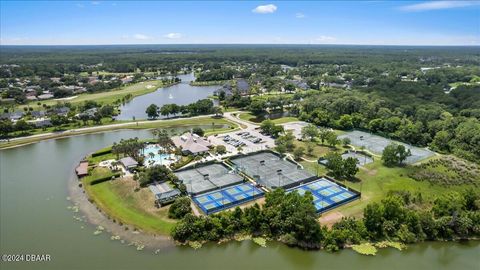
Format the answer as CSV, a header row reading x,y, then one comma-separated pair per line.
x,y
285,142
346,141
395,154
310,148
258,107
22,125
332,139
441,141
157,173
164,139
310,132
270,128
373,219
324,133
221,149
6,126
335,164
298,152
180,208
166,110
152,111
345,122
107,110
217,111
350,167
199,131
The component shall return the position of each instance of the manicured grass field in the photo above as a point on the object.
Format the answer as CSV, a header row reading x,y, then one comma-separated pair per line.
x,y
119,200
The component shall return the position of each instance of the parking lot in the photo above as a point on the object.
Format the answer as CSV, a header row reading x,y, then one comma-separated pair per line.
x,y
250,140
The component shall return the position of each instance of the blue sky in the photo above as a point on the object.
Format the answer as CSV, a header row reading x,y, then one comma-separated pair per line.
x,y
198,22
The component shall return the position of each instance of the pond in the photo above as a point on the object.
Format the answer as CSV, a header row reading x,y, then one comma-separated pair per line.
x,y
34,219
181,94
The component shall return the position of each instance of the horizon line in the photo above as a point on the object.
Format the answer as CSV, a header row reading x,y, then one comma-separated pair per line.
x,y
274,44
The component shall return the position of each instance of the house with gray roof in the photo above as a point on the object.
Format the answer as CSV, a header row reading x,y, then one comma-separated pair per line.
x,y
191,144
128,163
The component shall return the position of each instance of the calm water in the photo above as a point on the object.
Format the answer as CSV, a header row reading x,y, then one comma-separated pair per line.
x,y
34,219
181,94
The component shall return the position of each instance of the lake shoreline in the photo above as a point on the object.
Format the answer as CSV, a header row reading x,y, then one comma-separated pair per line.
x,y
159,242
129,125
96,217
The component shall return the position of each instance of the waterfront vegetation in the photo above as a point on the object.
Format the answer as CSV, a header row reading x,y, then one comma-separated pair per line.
x,y
121,203
291,219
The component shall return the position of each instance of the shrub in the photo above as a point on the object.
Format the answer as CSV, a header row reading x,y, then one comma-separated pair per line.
x,y
104,178
180,208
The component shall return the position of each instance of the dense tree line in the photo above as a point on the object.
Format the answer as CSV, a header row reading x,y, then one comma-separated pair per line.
x,y
200,107
419,115
291,218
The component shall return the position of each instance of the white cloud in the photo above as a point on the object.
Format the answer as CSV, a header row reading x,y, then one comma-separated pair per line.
x,y
299,15
436,5
173,35
325,39
270,8
141,37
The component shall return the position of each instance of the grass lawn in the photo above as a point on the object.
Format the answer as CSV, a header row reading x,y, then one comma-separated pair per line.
x,y
318,150
108,97
377,180
119,201
252,118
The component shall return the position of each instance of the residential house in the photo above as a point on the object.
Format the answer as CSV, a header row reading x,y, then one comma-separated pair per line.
x,y
62,111
37,114
242,86
14,116
45,96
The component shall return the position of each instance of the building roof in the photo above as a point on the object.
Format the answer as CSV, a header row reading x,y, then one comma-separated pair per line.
x,y
167,195
191,142
37,114
12,116
128,162
82,168
242,85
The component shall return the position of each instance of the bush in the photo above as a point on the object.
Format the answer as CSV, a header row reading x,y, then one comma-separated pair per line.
x,y
104,178
102,152
199,131
180,208
221,149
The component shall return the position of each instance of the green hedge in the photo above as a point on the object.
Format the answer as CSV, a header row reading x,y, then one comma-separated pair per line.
x,y
102,152
104,178
181,163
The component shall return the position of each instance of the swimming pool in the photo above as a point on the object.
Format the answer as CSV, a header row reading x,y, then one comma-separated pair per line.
x,y
156,158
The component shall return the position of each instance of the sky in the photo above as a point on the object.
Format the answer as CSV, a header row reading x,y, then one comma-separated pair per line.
x,y
240,22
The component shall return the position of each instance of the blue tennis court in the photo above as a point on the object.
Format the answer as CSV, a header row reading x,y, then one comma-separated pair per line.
x,y
326,194
227,197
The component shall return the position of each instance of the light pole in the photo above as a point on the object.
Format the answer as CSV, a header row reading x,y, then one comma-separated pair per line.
x,y
279,173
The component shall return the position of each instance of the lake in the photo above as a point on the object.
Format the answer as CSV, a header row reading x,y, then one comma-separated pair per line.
x,y
181,94
34,219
